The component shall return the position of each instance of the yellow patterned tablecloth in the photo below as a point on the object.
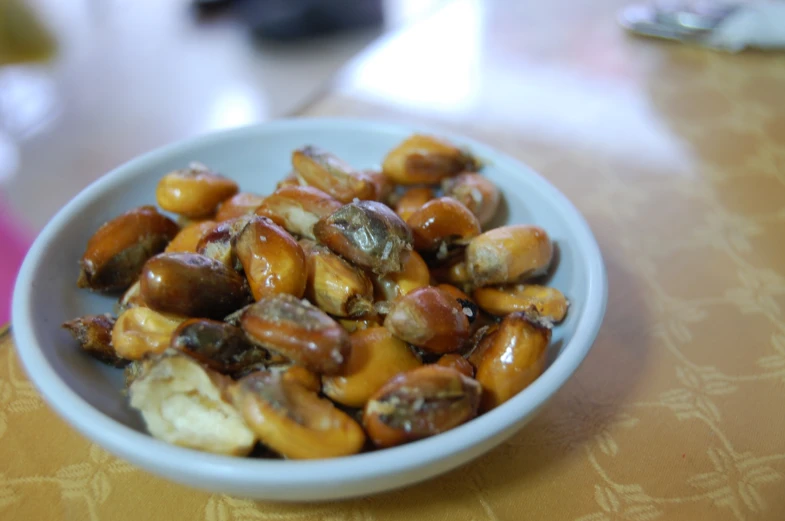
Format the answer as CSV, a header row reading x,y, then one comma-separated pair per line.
x,y
676,156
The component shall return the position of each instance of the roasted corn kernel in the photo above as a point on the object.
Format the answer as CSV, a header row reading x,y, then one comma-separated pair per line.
x,y
414,275
429,318
537,301
508,255
422,159
334,285
375,357
367,233
297,208
457,362
238,205
509,357
273,261
293,420
192,285
298,330
94,334
220,346
218,243
116,253
420,403
193,192
323,170
413,200
186,404
441,225
140,331
476,192
187,239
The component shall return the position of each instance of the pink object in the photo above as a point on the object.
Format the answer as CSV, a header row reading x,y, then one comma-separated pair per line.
x,y
14,247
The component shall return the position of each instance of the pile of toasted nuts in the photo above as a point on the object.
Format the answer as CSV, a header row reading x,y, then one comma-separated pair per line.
x,y
346,311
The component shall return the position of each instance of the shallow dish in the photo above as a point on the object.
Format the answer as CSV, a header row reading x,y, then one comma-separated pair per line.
x,y
88,394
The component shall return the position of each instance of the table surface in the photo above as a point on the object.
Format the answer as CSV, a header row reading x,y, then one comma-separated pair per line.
x,y
676,156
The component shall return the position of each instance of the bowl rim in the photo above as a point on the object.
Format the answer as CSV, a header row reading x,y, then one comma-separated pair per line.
x,y
153,453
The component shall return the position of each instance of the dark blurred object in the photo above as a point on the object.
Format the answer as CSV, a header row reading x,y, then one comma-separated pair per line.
x,y
23,37
286,20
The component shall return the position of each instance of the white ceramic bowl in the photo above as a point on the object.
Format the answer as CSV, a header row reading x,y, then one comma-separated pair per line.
x,y
87,394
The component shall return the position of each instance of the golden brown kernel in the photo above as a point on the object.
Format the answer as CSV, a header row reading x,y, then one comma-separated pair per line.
x,y
192,285
420,403
508,255
375,357
429,318
298,330
273,261
423,159
193,192
116,253
368,234
293,420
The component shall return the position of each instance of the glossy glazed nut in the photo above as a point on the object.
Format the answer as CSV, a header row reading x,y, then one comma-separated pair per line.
x,y
375,357
413,200
188,405
476,192
193,192
139,332
368,234
218,244
423,159
238,205
192,285
325,171
539,301
220,346
297,208
293,420
299,331
187,240
420,403
382,185
509,358
508,255
116,253
415,274
457,362
273,261
358,324
94,334
442,224
334,285
429,318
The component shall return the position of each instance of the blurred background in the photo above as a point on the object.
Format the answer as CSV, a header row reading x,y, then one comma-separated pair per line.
x,y
86,85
